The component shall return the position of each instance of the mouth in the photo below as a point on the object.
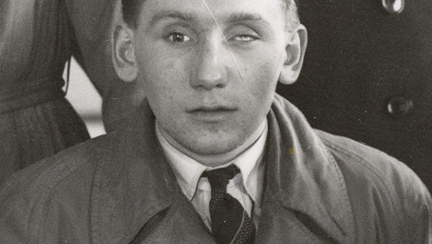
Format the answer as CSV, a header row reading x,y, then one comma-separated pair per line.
x,y
212,114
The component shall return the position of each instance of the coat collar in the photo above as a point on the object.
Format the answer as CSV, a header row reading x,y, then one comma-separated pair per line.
x,y
303,175
300,173
133,181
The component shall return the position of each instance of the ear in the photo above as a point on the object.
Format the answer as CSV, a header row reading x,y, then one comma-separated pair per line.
x,y
295,50
123,53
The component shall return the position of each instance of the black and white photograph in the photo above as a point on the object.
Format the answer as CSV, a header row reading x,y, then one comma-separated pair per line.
x,y
215,121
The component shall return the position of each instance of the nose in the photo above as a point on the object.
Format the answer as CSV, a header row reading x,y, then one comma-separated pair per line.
x,y
209,67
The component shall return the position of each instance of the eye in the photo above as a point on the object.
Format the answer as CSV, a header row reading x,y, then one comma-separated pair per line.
x,y
178,37
245,38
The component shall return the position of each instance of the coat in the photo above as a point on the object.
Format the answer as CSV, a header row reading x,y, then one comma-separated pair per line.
x,y
367,75
119,188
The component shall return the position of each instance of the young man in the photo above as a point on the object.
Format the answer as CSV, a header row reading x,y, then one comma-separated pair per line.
x,y
215,155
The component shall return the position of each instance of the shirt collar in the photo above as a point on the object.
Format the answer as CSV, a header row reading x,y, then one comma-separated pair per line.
x,y
188,171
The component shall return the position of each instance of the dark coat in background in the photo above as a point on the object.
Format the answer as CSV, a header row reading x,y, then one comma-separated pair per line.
x,y
368,75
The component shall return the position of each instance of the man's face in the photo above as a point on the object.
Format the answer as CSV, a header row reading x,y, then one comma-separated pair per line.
x,y
209,68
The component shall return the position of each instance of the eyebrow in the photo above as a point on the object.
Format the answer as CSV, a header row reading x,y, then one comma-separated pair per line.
x,y
189,17
246,17
173,14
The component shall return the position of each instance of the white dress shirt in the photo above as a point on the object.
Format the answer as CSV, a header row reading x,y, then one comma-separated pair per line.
x,y
246,186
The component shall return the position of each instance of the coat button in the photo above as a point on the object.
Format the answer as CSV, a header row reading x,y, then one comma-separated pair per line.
x,y
399,106
394,6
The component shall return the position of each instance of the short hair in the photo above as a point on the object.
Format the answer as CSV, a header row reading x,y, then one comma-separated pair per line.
x,y
132,8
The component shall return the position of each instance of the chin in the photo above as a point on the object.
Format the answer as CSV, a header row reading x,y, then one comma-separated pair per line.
x,y
214,146
211,150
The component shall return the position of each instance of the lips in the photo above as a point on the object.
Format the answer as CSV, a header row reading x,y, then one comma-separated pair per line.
x,y
212,114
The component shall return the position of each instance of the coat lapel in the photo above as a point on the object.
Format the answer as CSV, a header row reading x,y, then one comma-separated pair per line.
x,y
135,194
305,196
178,224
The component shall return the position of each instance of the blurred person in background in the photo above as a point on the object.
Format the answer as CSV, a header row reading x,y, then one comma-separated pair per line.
x,y
367,75
37,38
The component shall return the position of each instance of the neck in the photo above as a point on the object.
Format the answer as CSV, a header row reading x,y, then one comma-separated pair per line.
x,y
215,160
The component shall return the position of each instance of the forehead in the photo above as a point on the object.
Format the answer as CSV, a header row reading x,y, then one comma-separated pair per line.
x,y
220,11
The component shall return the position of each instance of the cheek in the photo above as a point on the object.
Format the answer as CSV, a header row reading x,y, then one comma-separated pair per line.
x,y
266,75
160,93
156,62
267,63
265,78
160,77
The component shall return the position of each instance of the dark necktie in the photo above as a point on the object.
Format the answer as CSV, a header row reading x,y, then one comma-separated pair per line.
x,y
229,221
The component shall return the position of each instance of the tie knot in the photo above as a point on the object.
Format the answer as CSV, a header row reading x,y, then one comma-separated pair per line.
x,y
219,178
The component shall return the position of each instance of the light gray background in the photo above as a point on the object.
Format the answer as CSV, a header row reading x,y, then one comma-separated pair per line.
x,y
85,99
